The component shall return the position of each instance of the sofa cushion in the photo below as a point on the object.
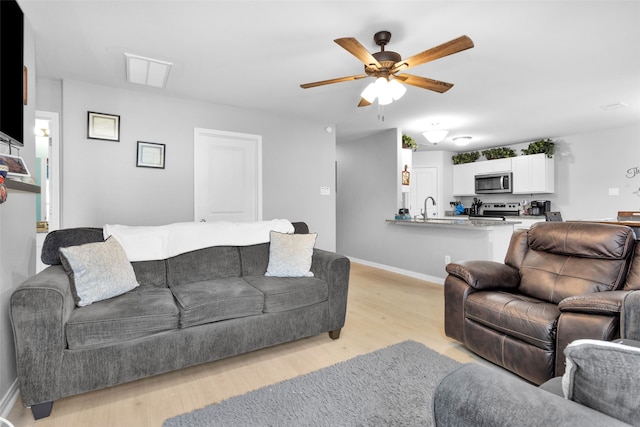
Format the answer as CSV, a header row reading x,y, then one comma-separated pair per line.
x,y
290,254
98,271
144,311
604,376
286,293
204,264
152,273
530,320
57,239
218,299
254,259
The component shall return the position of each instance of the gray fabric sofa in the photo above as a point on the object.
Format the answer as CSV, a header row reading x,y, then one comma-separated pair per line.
x,y
164,324
477,395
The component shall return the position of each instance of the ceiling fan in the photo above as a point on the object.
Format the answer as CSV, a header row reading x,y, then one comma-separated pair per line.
x,y
387,64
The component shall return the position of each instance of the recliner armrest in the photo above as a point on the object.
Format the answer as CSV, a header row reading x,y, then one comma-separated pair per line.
x,y
485,274
607,303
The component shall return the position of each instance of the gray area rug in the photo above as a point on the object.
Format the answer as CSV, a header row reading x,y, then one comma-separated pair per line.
x,y
388,387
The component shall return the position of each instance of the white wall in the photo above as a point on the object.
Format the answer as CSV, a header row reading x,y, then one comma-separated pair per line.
x,y
101,183
17,238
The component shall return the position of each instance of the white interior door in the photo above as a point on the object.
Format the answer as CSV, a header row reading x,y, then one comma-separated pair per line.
x,y
227,176
424,183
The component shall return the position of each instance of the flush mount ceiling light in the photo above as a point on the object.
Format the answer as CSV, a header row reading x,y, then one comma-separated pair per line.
x,y
385,90
147,71
435,135
462,140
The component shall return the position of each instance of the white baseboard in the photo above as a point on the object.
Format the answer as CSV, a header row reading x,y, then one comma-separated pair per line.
x,y
432,279
9,399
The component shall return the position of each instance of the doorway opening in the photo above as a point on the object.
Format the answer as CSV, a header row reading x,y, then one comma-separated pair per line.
x,y
47,176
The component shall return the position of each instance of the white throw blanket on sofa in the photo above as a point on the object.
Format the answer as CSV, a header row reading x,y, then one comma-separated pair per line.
x,y
146,243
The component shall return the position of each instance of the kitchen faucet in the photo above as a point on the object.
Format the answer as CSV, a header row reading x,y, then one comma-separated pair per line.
x,y
424,213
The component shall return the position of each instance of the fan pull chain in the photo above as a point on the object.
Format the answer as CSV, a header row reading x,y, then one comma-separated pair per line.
x,y
381,112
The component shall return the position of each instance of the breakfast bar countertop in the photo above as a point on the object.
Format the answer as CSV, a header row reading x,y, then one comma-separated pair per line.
x,y
453,223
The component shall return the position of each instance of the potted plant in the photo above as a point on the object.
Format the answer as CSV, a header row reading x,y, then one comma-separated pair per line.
x,y
468,157
498,153
408,142
541,146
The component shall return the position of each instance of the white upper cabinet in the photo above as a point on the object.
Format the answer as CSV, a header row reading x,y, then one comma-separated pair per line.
x,y
464,183
533,174
491,166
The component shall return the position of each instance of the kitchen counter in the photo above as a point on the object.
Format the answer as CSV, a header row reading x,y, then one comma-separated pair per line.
x,y
426,242
486,224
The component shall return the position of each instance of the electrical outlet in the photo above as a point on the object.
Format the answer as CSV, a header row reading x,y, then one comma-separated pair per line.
x,y
325,191
614,191
447,259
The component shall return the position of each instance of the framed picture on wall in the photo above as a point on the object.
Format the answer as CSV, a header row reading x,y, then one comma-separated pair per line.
x,y
103,126
150,155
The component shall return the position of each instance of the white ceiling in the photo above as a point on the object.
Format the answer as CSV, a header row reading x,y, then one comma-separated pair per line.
x,y
538,69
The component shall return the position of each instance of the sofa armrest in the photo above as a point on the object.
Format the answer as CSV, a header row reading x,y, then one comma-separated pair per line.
x,y
485,274
477,395
334,269
607,303
630,316
39,310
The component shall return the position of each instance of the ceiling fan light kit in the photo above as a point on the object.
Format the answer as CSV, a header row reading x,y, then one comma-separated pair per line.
x,y
385,90
385,66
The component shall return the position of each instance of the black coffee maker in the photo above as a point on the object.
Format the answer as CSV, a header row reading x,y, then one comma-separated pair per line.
x,y
540,207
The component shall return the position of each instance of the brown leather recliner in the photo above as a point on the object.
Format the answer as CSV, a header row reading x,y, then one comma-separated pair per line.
x,y
560,281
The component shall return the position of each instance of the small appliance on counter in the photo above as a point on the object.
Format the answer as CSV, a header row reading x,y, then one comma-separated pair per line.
x,y
403,213
540,207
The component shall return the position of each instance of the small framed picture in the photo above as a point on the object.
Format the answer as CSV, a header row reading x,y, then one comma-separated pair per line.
x,y
103,126
16,164
150,155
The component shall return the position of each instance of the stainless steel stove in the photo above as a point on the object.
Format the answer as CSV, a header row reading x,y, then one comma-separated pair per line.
x,y
499,210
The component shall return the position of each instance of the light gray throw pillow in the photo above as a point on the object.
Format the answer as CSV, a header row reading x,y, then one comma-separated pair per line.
x,y
290,254
604,376
98,271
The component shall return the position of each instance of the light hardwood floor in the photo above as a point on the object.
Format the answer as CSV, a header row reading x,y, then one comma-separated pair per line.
x,y
383,308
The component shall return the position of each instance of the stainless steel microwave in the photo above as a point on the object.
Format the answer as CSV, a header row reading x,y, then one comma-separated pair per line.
x,y
494,183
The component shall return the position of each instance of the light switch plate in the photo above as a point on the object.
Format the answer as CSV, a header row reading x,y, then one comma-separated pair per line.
x,y
614,192
325,191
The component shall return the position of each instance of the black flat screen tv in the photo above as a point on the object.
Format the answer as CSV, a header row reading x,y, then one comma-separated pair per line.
x,y
12,90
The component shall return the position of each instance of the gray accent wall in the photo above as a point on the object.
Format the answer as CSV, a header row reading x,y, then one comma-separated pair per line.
x,y
101,183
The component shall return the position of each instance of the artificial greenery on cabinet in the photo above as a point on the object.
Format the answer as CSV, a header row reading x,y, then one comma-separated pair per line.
x,y
541,146
468,157
498,153
408,142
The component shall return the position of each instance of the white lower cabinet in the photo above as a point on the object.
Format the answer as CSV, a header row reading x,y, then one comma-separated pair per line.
x,y
525,222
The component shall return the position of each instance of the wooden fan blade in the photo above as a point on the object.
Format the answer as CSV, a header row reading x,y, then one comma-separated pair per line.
x,y
338,80
354,47
424,83
363,103
445,49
